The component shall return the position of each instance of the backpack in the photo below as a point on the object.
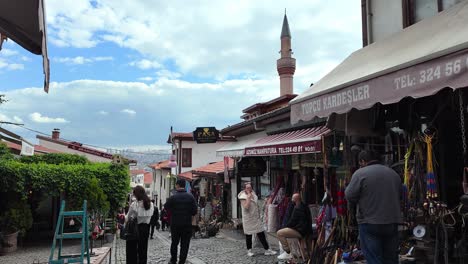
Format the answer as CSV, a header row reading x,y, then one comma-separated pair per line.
x,y
130,230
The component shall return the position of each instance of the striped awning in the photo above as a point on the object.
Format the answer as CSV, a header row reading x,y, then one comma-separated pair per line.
x,y
302,141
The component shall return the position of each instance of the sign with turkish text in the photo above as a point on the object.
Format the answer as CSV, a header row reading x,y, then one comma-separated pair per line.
x,y
417,81
205,135
285,149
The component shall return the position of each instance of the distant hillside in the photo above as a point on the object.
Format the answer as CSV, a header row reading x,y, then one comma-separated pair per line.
x,y
145,158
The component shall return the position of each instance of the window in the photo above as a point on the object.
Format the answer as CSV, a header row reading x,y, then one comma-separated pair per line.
x,y
417,10
186,157
147,185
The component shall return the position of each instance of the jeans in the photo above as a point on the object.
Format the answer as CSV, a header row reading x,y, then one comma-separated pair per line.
x,y
285,233
182,235
137,251
261,237
379,243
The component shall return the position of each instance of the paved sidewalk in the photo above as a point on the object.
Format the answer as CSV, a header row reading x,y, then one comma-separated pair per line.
x,y
227,248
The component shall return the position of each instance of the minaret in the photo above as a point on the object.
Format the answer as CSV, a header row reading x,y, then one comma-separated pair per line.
x,y
286,65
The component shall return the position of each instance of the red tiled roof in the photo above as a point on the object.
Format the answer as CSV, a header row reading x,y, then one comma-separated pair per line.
x,y
213,168
82,148
186,175
148,177
160,165
39,148
136,172
12,145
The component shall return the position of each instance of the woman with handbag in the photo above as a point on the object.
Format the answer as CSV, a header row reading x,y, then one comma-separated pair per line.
x,y
141,210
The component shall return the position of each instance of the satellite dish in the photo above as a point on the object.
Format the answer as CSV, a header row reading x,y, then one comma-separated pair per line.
x,y
419,231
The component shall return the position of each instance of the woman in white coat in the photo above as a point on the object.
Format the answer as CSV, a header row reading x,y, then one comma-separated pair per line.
x,y
251,220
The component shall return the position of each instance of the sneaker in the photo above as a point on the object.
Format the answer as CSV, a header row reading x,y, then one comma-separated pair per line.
x,y
270,252
285,256
250,253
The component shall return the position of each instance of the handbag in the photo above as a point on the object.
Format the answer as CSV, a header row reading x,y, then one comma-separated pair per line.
x,y
130,229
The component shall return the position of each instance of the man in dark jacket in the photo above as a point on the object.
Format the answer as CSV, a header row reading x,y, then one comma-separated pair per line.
x,y
374,191
154,222
182,206
298,226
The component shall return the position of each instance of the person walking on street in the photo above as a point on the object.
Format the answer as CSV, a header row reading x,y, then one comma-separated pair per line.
x,y
375,191
251,222
299,226
182,206
154,222
165,217
142,208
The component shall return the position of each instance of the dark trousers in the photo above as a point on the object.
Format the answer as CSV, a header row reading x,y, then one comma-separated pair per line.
x,y
182,235
137,250
379,243
164,225
152,228
261,237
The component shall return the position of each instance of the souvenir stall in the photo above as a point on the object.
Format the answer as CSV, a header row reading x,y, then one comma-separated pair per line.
x,y
424,141
293,163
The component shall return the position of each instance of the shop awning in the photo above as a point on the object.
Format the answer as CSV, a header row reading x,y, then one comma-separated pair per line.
x,y
301,141
23,21
237,149
418,61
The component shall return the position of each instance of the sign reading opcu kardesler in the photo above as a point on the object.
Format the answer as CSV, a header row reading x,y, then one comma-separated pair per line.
x,y
205,135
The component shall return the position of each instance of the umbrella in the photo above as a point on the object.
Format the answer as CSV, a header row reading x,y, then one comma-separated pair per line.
x,y
23,21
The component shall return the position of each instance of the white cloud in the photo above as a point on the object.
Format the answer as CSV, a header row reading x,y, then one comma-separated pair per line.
x,y
219,39
104,113
146,64
146,79
128,112
4,64
16,66
81,60
14,119
8,52
38,118
25,58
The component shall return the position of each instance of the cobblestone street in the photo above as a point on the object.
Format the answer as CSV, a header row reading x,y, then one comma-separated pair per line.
x,y
222,249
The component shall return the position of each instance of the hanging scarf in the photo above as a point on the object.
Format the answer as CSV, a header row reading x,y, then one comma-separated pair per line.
x,y
431,189
407,177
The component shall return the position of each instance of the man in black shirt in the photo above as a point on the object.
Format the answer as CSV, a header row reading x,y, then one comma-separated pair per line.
x,y
298,226
182,206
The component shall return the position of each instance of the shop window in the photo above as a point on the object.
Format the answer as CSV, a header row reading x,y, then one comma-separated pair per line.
x,y
186,157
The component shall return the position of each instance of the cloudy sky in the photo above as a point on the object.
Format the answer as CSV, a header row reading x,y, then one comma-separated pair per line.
x,y
123,72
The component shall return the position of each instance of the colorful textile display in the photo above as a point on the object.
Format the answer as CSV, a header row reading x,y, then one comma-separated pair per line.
x,y
272,224
431,189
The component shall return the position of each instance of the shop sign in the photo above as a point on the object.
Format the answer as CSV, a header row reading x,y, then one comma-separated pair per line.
x,y
285,149
205,135
417,81
79,147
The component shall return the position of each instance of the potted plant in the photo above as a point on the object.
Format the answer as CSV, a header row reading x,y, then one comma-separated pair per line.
x,y
14,222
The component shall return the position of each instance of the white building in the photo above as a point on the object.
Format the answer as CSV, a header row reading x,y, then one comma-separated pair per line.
x,y
56,144
382,18
190,154
161,185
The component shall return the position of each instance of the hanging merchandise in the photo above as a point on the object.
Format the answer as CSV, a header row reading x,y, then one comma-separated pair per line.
x,y
272,225
203,187
431,189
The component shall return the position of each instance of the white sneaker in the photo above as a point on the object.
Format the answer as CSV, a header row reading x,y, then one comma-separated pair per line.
x,y
270,252
285,256
250,253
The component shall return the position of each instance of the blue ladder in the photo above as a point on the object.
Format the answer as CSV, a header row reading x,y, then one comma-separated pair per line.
x,y
60,236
